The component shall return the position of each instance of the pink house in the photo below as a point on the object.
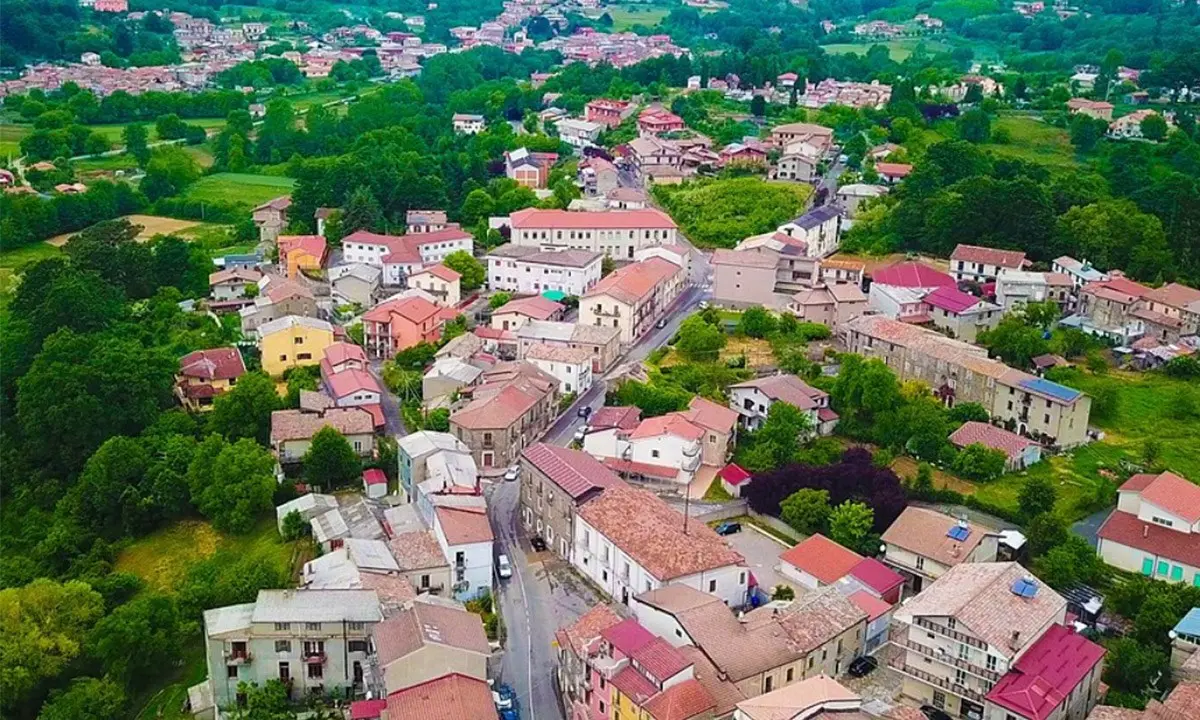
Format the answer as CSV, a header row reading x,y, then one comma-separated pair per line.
x,y
399,324
657,122
633,670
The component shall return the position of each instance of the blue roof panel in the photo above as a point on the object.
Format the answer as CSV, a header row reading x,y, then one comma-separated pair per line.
x,y
1042,386
1190,624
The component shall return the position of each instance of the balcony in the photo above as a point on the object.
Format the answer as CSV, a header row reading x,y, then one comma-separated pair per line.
x,y
599,310
315,657
942,629
989,675
962,691
238,657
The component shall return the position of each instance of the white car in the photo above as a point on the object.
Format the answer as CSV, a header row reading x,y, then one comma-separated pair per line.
x,y
580,434
512,473
503,567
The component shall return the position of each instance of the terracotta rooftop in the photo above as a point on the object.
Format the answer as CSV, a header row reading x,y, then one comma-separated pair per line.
x,y
580,634
575,472
449,697
496,411
802,699
710,415
297,425
682,701
464,525
1169,491
558,353
822,558
924,532
1129,530
535,306
352,380
912,274
414,309
786,388
237,273
535,218
813,619
670,424
652,534
626,418
724,693
980,596
1046,674
990,436
869,604
417,550
214,364
429,622
1014,259
342,352
439,271
635,281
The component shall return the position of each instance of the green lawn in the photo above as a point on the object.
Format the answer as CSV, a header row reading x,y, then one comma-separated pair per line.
x,y
1035,141
11,263
11,133
239,188
898,50
626,16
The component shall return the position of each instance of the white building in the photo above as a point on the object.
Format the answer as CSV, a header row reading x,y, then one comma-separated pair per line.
x,y
1155,529
579,134
628,541
528,270
1015,288
465,536
572,367
981,264
753,400
402,255
616,233
313,640
667,448
820,228
468,124
1080,272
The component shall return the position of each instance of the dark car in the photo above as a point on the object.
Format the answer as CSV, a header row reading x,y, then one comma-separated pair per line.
x,y
585,411
728,528
538,543
863,665
934,713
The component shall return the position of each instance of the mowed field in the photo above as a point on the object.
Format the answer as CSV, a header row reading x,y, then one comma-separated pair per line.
x,y
151,225
1035,141
238,189
898,50
11,133
626,16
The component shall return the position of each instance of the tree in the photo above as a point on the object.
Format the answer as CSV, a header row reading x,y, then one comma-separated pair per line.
x,y
86,699
404,382
967,411
170,127
293,526
1037,496
1015,341
269,702
975,126
1086,132
473,272
807,510
245,410
1134,668
758,106
783,593
1044,532
757,322
979,462
1154,127
362,212
923,482
477,206
135,137
438,420
232,483
168,172
699,341
607,266
43,626
850,525
499,299
780,434
139,641
330,461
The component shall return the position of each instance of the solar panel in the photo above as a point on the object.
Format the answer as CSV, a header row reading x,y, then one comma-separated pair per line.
x,y
1053,389
959,533
1025,588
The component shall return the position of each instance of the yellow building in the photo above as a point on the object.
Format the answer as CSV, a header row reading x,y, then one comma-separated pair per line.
x,y
293,341
302,252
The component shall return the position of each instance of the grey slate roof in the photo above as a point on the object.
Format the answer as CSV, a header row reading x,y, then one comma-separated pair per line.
x,y
316,606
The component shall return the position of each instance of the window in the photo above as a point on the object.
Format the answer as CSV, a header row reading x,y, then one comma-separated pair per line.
x,y
424,582
951,623
285,671
231,672
357,646
960,676
654,453
790,674
712,586
991,663
284,646
280,627
357,626
920,563
768,681
963,651
1163,567
312,626
741,578
315,671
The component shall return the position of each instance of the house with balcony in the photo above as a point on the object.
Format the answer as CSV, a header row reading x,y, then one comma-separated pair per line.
x,y
634,297
429,639
232,283
982,264
205,374
314,641
663,450
628,541
509,409
1155,528
962,634
576,644
555,482
440,282
400,323
1058,678
923,545
752,400
461,526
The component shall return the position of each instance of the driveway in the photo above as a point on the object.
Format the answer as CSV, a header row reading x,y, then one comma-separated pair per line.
x,y
762,555
1089,527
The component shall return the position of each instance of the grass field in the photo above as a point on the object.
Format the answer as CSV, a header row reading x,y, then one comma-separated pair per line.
x,y
1035,141
626,16
11,133
239,188
151,225
11,263
898,50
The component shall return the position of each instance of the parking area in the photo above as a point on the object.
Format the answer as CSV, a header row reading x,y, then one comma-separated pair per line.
x,y
762,555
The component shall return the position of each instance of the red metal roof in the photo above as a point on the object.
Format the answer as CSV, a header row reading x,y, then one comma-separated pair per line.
x,y
1047,673
951,299
1126,529
374,476
628,636
877,576
734,474
367,709
868,603
912,274
822,558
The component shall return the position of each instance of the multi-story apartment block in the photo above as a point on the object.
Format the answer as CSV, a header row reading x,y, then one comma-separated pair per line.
x,y
820,229
509,408
981,264
293,341
975,641
400,323
439,281
555,482
959,372
616,233
632,298
315,641
531,271
923,545
609,113
1155,528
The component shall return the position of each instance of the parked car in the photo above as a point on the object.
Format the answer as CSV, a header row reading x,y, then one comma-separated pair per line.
x,y
585,412
934,713
538,543
863,665
504,697
703,305
728,528
512,473
580,434
503,567
662,323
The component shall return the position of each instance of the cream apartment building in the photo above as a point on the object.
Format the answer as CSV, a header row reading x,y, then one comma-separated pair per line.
x,y
960,372
616,233
632,298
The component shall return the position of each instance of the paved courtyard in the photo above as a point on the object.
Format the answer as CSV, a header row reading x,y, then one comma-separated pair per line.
x,y
762,555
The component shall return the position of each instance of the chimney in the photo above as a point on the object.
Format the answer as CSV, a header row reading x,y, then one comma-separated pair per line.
x,y
1016,639
1145,531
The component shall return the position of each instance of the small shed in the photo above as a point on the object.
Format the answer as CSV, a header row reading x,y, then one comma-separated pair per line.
x,y
733,479
375,483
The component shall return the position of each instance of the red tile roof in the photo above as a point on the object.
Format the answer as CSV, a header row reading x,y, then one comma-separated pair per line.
x,y
341,352
787,388
652,534
496,412
822,558
951,299
635,281
1174,494
414,309
628,636
1174,294
634,685
1014,259
536,218
990,436
575,472
708,414
439,271
877,576
650,470
912,274
670,424
682,701
464,525
660,659
1126,529
214,364
581,633
367,709
626,418
311,244
1047,673
868,603
535,306
450,697
350,381
1117,288
733,474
